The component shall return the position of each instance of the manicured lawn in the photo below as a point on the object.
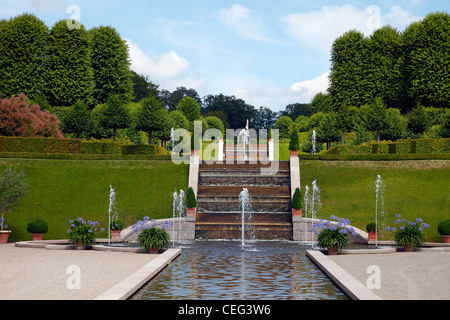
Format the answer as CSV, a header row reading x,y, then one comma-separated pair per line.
x,y
414,189
60,190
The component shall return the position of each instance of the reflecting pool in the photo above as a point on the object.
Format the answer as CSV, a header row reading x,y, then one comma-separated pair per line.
x,y
265,270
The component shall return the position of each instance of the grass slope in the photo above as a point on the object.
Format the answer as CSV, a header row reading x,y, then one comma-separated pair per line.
x,y
414,189
60,190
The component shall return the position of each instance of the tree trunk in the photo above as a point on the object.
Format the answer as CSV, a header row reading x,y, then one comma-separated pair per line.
x,y
115,134
149,138
342,137
378,135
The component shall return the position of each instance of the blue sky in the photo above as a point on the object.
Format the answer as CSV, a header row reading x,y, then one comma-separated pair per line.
x,y
269,53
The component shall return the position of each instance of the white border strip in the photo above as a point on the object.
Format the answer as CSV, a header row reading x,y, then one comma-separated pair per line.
x,y
128,286
351,286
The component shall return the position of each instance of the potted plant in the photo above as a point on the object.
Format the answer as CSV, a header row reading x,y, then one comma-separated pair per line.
x,y
444,230
333,235
13,188
116,227
194,147
191,202
37,228
372,230
409,234
153,237
4,234
297,203
294,144
82,233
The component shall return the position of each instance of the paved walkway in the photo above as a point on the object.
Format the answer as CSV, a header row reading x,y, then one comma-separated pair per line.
x,y
40,274
403,275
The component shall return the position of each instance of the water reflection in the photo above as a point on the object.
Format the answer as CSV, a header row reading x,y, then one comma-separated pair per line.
x,y
272,270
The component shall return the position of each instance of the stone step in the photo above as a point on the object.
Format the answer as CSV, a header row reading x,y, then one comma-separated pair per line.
x,y
261,231
246,166
236,216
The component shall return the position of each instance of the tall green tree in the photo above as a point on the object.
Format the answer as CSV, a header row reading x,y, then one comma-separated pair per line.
x,y
110,65
347,69
115,115
427,51
383,67
69,76
23,41
142,87
151,117
375,116
77,119
322,102
328,130
191,110
418,121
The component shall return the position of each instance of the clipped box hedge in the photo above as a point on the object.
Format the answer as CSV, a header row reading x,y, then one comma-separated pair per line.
x,y
39,145
103,147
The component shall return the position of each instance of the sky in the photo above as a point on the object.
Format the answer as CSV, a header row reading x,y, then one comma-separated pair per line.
x,y
269,53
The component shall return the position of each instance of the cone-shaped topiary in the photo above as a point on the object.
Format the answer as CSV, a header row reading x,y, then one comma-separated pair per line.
x,y
294,144
297,199
191,202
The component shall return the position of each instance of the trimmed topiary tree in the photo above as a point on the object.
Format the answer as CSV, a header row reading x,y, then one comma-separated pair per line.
x,y
296,203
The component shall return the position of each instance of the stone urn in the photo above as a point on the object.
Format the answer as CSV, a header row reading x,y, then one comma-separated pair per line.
x,y
294,153
296,212
446,238
115,234
373,236
332,251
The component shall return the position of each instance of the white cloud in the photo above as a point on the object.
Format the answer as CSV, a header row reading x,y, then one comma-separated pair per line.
x,y
167,65
306,90
318,29
169,70
239,19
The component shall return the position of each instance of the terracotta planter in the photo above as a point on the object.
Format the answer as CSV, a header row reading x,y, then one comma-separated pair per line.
x,y
408,248
37,236
4,236
194,152
297,212
153,250
80,246
294,153
333,251
191,211
373,236
446,238
115,234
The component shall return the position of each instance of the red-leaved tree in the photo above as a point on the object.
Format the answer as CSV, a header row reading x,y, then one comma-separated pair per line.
x,y
19,119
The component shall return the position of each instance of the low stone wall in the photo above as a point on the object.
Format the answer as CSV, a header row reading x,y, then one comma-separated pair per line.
x,y
186,225
302,226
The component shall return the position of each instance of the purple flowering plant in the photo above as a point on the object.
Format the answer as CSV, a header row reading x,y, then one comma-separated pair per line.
x,y
333,233
3,226
152,235
408,233
83,232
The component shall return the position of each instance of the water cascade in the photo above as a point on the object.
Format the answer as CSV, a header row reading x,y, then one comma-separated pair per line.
x,y
244,200
178,210
313,149
312,205
111,211
243,142
379,202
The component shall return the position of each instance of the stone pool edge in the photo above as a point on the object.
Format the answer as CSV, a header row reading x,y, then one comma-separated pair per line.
x,y
346,282
128,286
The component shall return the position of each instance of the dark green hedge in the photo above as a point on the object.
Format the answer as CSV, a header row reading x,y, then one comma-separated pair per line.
x,y
39,145
61,156
376,157
97,147
419,146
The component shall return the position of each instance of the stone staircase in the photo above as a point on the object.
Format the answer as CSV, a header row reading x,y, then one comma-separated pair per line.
x,y
219,215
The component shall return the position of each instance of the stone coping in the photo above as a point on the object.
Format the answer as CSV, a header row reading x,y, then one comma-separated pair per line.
x,y
349,284
128,286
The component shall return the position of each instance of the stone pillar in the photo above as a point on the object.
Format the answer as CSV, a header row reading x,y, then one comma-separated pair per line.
x,y
294,163
220,155
271,150
194,163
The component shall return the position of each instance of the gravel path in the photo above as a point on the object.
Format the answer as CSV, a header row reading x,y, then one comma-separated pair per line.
x,y
403,275
39,274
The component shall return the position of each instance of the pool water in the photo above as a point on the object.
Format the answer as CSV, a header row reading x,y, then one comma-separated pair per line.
x,y
221,270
